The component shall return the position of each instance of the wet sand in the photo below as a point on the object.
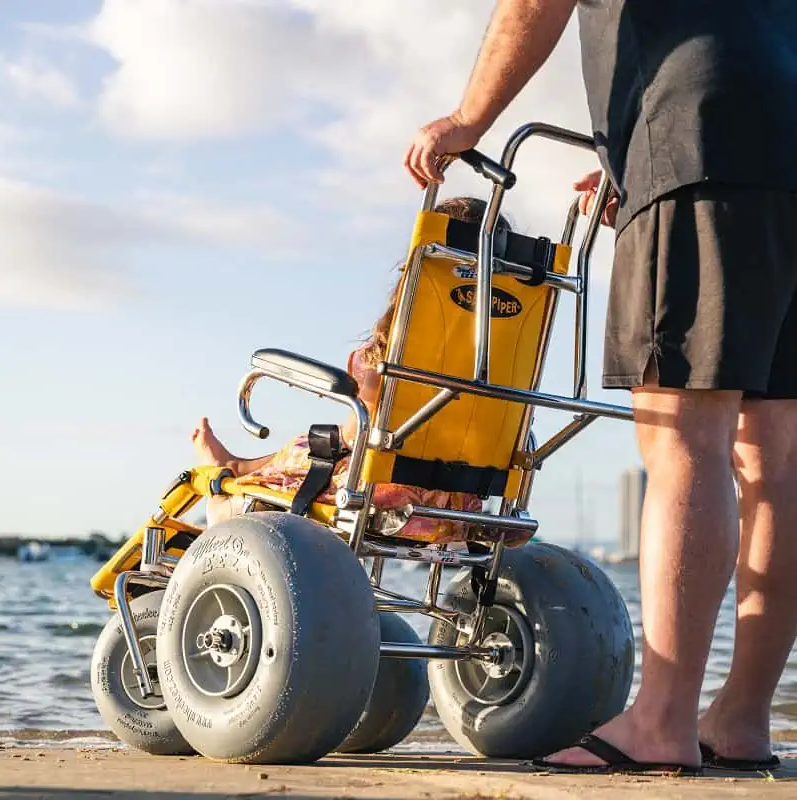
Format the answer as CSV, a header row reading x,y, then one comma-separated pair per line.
x,y
56,773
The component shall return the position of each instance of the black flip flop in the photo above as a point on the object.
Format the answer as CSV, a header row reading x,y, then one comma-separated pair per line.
x,y
616,762
712,759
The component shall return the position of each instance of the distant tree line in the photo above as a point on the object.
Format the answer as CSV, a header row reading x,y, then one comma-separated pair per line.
x,y
95,542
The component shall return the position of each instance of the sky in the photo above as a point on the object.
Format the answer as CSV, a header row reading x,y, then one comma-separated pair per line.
x,y
183,182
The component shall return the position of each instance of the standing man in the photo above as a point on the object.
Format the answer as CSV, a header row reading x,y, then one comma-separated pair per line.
x,y
694,108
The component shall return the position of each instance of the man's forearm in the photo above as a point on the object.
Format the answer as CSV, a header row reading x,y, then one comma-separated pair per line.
x,y
521,36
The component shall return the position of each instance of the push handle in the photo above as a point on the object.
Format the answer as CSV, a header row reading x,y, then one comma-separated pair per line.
x,y
488,168
244,414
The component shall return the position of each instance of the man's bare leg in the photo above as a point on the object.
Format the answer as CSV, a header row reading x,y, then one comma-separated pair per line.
x,y
737,723
688,550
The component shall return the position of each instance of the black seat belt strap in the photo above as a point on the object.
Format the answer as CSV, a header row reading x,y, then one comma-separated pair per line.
x,y
326,450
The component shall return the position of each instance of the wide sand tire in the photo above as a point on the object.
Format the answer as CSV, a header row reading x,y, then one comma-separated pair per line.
x,y
268,642
399,696
570,647
144,724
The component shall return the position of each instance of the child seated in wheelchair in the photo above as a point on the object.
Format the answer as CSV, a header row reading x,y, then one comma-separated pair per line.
x,y
286,469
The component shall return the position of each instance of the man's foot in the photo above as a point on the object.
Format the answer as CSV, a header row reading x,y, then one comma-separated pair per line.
x,y
731,739
711,758
637,741
612,760
209,450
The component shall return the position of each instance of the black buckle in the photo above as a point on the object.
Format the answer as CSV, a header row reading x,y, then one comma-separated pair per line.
x,y
326,450
544,252
542,261
325,443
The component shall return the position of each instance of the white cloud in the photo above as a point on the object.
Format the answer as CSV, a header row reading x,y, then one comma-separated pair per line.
x,y
201,68
35,79
61,251
248,228
12,134
188,69
54,249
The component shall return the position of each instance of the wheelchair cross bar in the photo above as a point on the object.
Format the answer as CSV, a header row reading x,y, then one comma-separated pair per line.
x,y
570,283
407,428
522,396
412,651
473,518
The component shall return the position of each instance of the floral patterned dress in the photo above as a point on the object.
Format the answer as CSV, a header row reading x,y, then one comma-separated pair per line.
x,y
288,467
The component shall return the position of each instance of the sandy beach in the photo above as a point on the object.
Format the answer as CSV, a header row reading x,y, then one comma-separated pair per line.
x,y
60,774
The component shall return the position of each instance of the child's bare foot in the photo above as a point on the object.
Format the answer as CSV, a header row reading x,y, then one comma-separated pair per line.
x,y
209,450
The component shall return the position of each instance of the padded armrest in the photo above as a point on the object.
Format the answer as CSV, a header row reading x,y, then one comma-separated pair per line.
x,y
306,372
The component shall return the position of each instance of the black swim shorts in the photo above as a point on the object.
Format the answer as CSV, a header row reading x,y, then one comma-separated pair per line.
x,y
704,293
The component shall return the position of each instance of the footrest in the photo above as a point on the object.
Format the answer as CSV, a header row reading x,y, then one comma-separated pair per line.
x,y
305,372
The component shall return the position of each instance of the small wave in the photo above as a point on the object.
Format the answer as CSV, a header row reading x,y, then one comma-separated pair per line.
x,y
28,612
61,739
61,679
73,628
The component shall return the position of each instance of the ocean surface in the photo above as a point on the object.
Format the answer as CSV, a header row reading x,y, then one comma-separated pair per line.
x,y
50,619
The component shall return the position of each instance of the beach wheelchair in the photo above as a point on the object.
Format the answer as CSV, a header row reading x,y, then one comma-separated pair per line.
x,y
270,638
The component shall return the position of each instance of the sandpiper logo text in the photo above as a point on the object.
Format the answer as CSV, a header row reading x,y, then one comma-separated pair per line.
x,y
503,304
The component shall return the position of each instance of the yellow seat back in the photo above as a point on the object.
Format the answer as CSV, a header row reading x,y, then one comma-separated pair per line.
x,y
440,337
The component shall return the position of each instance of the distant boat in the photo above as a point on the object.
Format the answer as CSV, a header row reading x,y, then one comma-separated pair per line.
x,y
33,551
66,553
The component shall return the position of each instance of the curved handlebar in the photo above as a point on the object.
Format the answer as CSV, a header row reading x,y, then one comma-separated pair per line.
x,y
244,393
488,168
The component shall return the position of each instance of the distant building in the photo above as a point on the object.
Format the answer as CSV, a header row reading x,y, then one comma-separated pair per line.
x,y
632,493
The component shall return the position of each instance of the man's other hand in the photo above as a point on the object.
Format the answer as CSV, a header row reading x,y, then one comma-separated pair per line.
x,y
588,186
447,136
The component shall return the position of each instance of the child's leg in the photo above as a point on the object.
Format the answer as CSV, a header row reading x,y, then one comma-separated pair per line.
x,y
221,508
211,452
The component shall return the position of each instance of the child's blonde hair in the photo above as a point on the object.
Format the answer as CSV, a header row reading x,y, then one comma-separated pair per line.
x,y
464,209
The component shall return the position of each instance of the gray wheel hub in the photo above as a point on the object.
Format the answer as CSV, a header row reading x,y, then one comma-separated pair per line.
x,y
500,681
508,656
222,639
225,640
